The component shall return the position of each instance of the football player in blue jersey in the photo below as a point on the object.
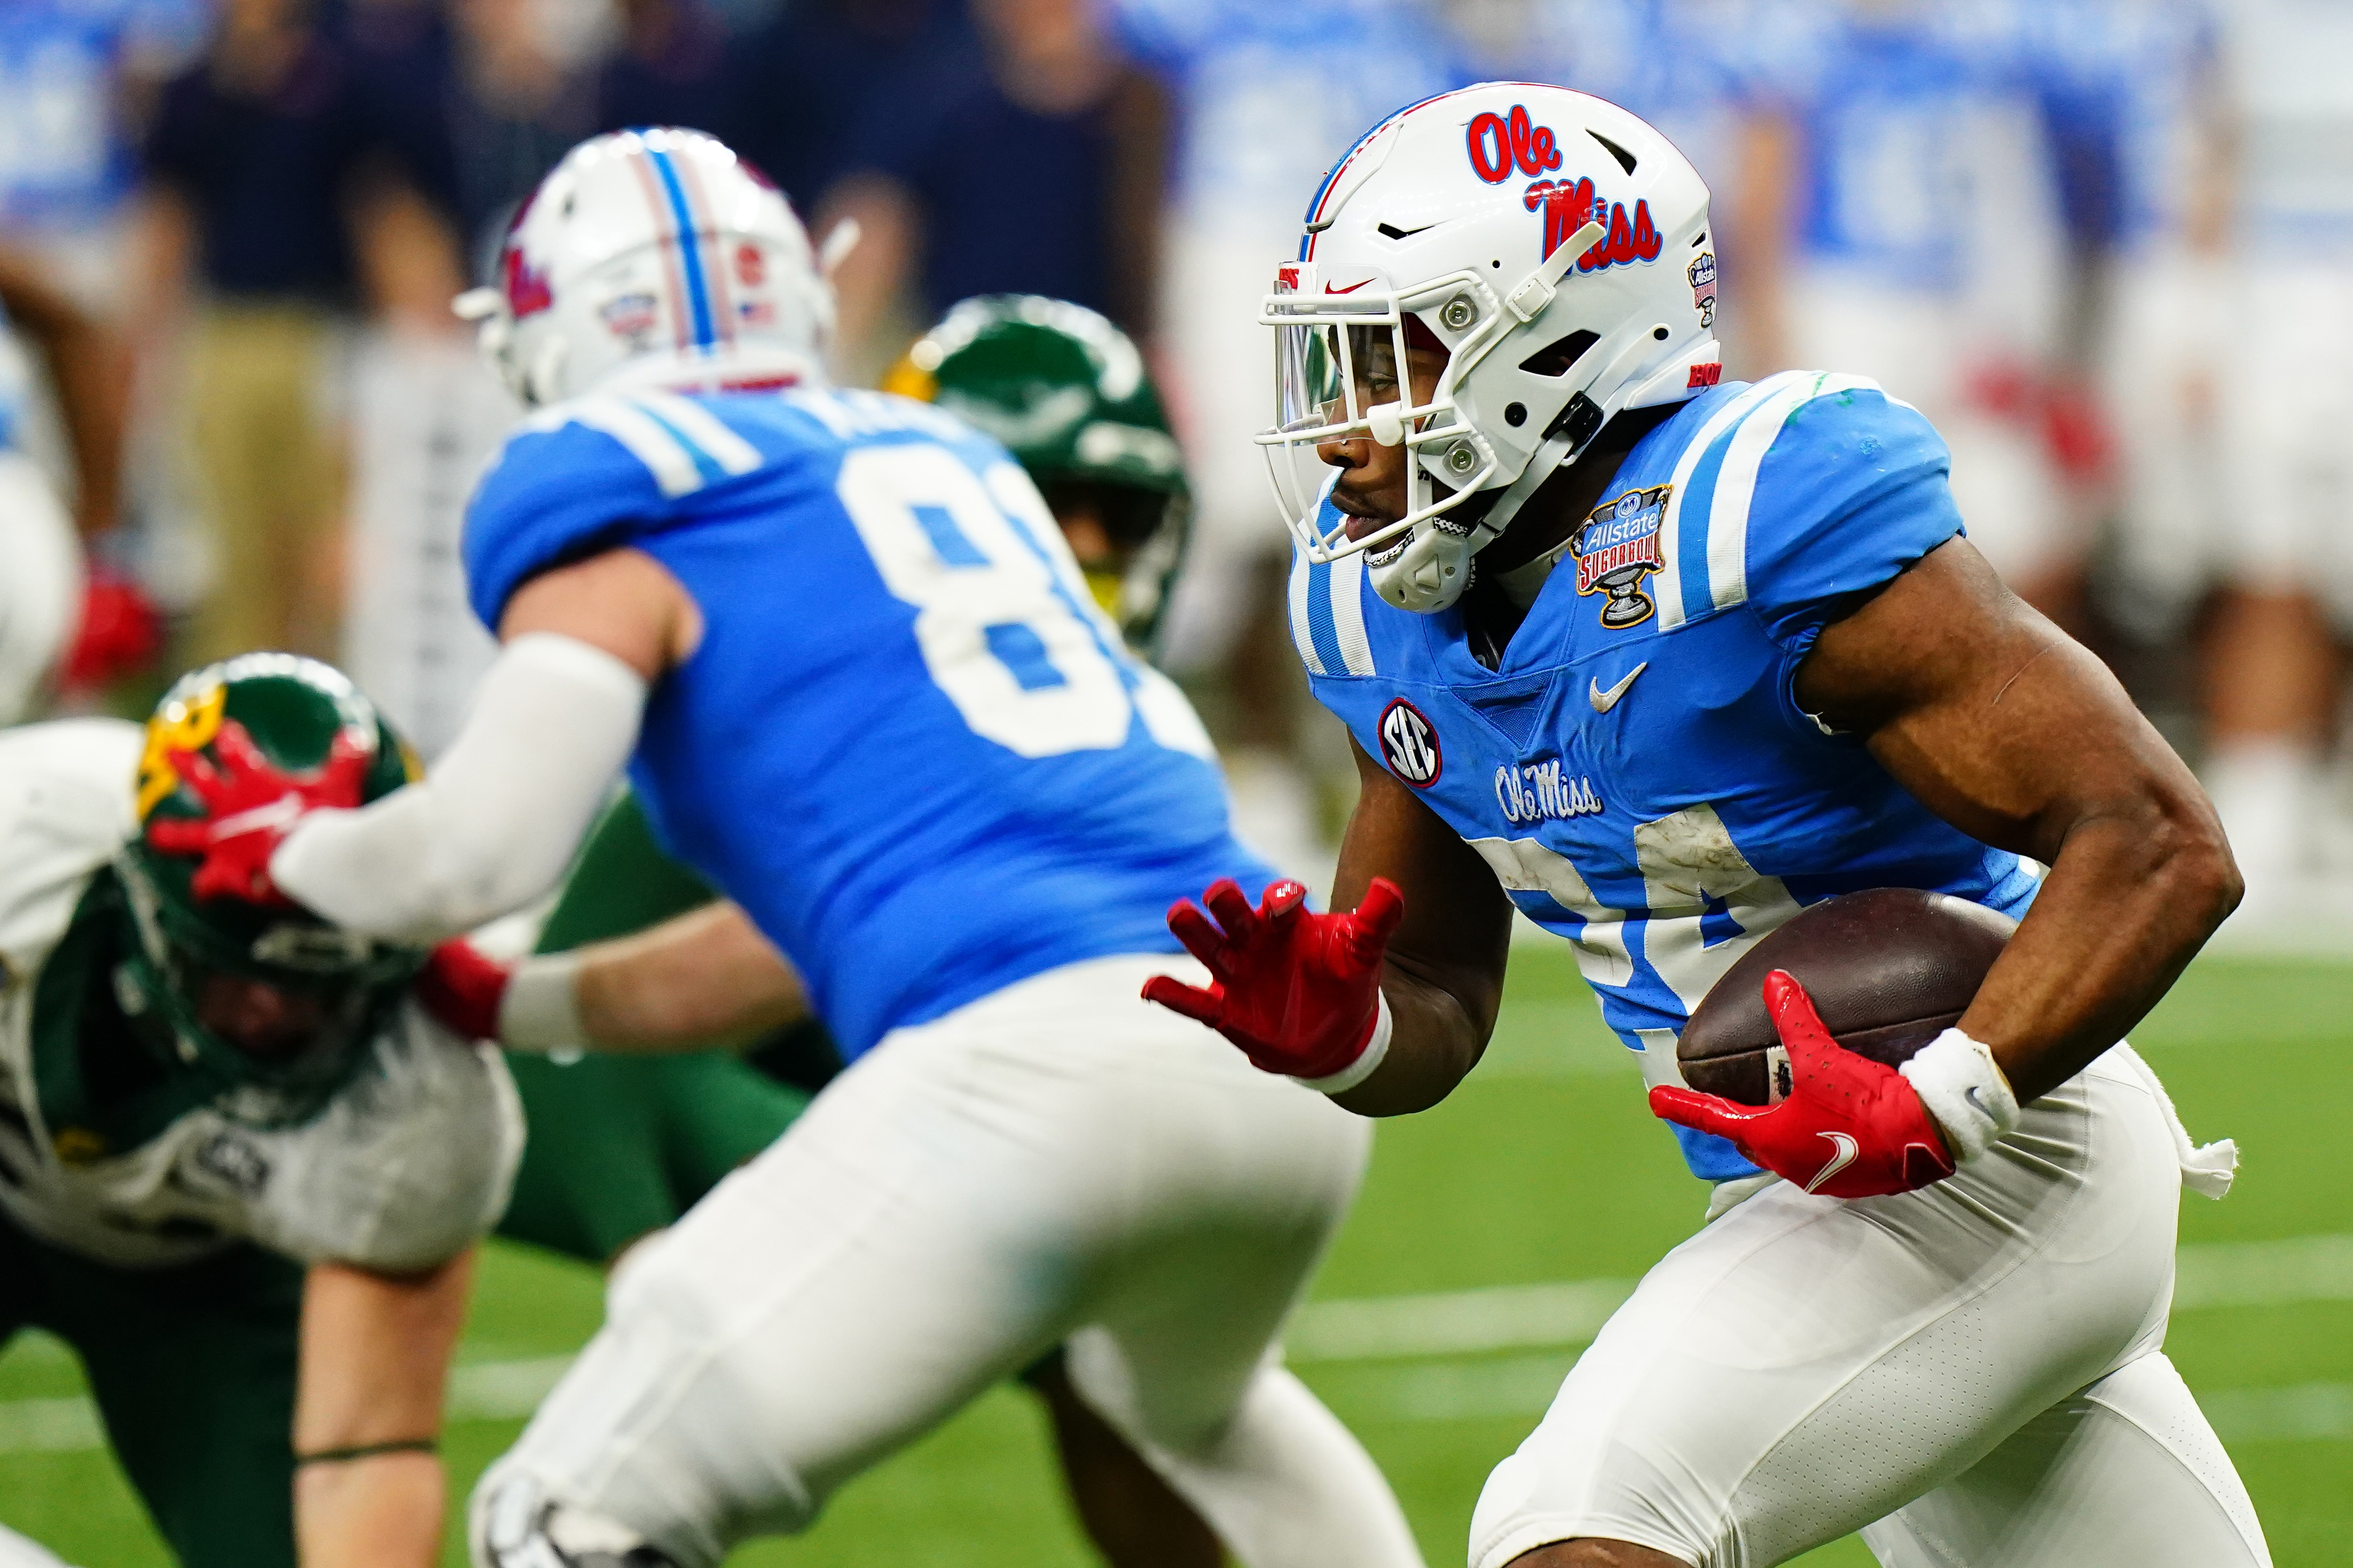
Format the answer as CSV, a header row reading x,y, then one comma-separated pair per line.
x,y
1660,660
858,683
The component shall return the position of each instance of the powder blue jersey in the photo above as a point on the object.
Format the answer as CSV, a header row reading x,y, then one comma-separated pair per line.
x,y
1638,771
907,744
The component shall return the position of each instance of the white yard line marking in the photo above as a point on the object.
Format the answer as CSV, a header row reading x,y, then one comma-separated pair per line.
x,y
1464,1323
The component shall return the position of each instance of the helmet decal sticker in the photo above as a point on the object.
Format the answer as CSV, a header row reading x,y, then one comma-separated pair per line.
x,y
1617,548
1566,204
690,246
526,286
1498,145
186,725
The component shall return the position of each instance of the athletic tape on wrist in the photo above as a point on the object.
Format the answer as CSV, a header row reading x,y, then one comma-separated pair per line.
x,y
1368,1061
1963,1088
541,1009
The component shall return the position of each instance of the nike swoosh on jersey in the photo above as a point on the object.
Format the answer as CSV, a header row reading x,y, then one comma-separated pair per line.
x,y
1838,1161
1605,701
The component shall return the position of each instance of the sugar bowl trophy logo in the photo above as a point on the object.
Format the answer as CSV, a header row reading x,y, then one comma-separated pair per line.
x,y
1616,549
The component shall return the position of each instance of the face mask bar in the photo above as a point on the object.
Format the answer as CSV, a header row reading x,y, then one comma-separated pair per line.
x,y
1319,397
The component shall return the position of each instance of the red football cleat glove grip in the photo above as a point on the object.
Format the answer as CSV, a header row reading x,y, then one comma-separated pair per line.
x,y
1298,992
464,988
1852,1128
250,807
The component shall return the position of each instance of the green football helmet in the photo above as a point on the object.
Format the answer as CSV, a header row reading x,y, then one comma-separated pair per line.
x,y
269,1007
1067,392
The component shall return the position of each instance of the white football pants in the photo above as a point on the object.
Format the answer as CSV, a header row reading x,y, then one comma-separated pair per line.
x,y
40,584
1058,1162
1975,1366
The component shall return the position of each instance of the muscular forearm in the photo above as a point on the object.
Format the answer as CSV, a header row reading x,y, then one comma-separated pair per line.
x,y
704,977
2129,900
1444,979
1435,1041
375,1353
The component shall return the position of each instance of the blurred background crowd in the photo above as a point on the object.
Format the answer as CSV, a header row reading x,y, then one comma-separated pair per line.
x,y
2105,244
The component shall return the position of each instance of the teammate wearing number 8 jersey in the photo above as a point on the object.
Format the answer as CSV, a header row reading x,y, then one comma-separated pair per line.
x,y
858,682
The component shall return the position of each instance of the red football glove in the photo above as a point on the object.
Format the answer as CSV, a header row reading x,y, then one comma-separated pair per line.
x,y
1852,1128
250,804
120,633
463,988
1298,992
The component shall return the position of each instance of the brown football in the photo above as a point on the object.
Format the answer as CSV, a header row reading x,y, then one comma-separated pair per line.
x,y
1889,970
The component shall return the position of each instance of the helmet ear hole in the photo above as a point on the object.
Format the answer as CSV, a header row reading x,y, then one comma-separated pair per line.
x,y
1558,356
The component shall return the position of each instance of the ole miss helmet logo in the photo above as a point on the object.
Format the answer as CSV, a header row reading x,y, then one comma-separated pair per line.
x,y
1501,146
1410,744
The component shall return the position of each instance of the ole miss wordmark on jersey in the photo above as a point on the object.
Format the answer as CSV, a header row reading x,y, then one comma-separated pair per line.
x,y
1642,779
908,745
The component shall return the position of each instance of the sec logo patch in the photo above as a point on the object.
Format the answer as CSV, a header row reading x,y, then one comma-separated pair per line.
x,y
1410,744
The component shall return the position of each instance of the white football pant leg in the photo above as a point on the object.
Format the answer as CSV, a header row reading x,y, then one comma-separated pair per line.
x,y
40,584
974,1191
1804,1366
2127,1471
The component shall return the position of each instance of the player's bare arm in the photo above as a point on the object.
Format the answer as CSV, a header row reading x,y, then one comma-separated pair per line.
x,y
1444,978
2017,735
622,602
506,805
368,1487
704,977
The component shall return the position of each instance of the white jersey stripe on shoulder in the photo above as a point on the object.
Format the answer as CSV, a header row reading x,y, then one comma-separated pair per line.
x,y
697,424
1736,482
1348,614
1667,586
1301,638
673,467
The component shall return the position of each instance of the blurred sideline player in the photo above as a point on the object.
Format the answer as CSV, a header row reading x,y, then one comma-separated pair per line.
x,y
240,1173
59,621
1267,95
1894,214
2284,540
1685,656
621,1145
856,678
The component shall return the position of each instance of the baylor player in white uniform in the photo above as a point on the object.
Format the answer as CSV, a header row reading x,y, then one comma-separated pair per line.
x,y
225,1130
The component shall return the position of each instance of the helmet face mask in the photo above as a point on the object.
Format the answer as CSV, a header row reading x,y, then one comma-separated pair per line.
x,y
268,1006
647,258
1562,292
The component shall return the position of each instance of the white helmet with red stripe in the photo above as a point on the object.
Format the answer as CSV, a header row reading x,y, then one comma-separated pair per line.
x,y
1555,245
654,257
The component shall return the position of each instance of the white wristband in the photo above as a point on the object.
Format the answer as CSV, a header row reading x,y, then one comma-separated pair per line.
x,y
541,1009
1963,1088
1367,1062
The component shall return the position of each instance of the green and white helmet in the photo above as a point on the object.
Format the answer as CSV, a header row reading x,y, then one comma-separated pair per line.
x,y
268,1006
1067,395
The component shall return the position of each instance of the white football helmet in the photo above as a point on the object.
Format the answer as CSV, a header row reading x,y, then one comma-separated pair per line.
x,y
1555,245
653,257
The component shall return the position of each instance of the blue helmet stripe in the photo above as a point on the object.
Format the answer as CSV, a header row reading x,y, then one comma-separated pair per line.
x,y
689,247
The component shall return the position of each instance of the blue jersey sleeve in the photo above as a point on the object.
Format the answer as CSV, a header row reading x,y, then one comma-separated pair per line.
x,y
1853,488
557,492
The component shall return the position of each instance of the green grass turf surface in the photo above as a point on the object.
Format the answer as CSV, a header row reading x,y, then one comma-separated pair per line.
x,y
1544,1166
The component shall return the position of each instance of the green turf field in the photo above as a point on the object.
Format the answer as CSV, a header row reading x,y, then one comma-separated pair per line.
x,y
1545,1169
